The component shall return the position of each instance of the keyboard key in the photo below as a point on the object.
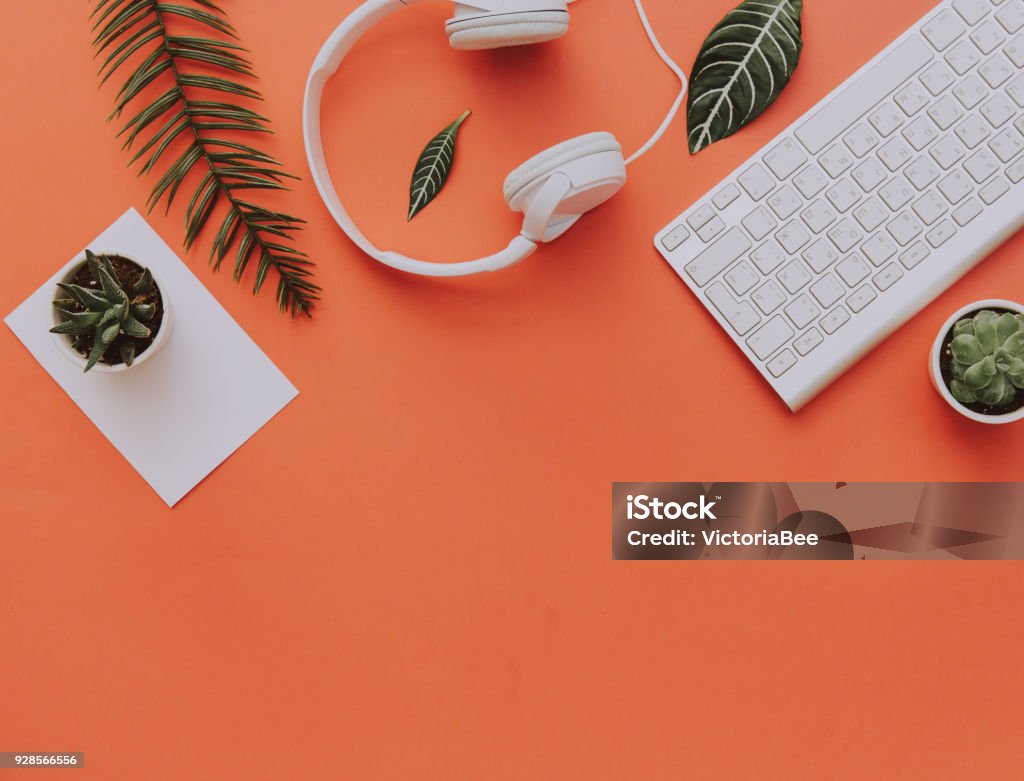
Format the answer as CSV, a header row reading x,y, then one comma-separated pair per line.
x,y
756,181
994,190
1015,51
793,236
738,314
802,311
945,112
843,195
781,363
770,337
794,276
836,160
1011,16
861,139
834,320
869,174
785,202
719,256
998,110
972,131
741,278
1007,144
827,290
726,196
700,217
963,57
871,214
981,165
853,269
941,233
971,11
1015,172
1015,89
915,253
675,237
759,223
942,29
922,172
820,255
887,119
818,216
767,257
956,187
970,92
710,230
912,98
971,208
769,297
879,248
863,296
835,117
947,152
929,207
896,193
785,158
895,154
810,181
808,341
920,132
996,70
937,78
988,36
887,277
846,235
904,228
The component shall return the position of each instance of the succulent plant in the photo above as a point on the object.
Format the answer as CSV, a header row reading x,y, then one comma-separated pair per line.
x,y
988,358
107,311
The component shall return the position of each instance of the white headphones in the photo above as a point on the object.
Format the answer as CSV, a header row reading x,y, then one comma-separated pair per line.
x,y
552,190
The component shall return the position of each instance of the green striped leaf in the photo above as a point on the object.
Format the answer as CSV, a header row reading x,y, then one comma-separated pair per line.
x,y
433,167
742,67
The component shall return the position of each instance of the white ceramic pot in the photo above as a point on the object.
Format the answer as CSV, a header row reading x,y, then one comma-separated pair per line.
x,y
935,367
63,341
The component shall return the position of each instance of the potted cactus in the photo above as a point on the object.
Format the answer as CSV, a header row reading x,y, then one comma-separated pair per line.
x,y
977,362
109,313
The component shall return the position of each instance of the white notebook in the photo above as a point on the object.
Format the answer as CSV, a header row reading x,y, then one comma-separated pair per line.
x,y
178,415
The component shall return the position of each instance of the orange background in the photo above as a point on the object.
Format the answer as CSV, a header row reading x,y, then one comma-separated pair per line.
x,y
407,574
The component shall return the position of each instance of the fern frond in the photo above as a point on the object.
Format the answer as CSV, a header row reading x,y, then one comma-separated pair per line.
x,y
189,127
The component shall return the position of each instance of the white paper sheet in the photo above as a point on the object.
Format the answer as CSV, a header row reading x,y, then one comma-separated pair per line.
x,y
179,414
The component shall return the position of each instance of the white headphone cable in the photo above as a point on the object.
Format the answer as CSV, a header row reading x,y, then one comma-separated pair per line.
x,y
665,58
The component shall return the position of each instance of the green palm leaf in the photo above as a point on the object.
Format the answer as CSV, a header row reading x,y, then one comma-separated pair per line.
x,y
185,93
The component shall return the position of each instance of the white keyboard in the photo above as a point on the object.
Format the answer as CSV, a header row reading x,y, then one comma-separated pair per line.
x,y
870,205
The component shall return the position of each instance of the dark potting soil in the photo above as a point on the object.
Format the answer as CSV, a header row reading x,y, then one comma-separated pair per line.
x,y
946,366
128,272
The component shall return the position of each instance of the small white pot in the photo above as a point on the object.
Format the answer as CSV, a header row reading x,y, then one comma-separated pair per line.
x,y
935,367
63,341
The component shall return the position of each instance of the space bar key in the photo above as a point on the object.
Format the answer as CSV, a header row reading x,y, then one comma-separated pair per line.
x,y
866,90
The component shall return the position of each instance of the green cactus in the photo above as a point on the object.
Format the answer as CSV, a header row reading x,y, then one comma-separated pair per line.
x,y
107,311
988,359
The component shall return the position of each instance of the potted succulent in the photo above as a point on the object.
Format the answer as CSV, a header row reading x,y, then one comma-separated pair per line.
x,y
977,362
109,313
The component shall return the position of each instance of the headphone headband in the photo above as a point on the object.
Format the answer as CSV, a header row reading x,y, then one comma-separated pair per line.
x,y
326,65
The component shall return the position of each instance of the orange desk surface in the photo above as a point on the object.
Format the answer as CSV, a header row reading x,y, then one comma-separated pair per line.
x,y
407,573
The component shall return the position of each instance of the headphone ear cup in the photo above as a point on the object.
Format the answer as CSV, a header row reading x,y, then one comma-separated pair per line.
x,y
497,31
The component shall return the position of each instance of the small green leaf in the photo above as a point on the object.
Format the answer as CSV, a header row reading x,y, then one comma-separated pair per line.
x,y
981,373
433,166
965,326
143,311
133,327
962,393
998,392
1014,344
87,298
985,330
84,320
109,333
144,284
966,349
98,348
128,352
1006,326
742,67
